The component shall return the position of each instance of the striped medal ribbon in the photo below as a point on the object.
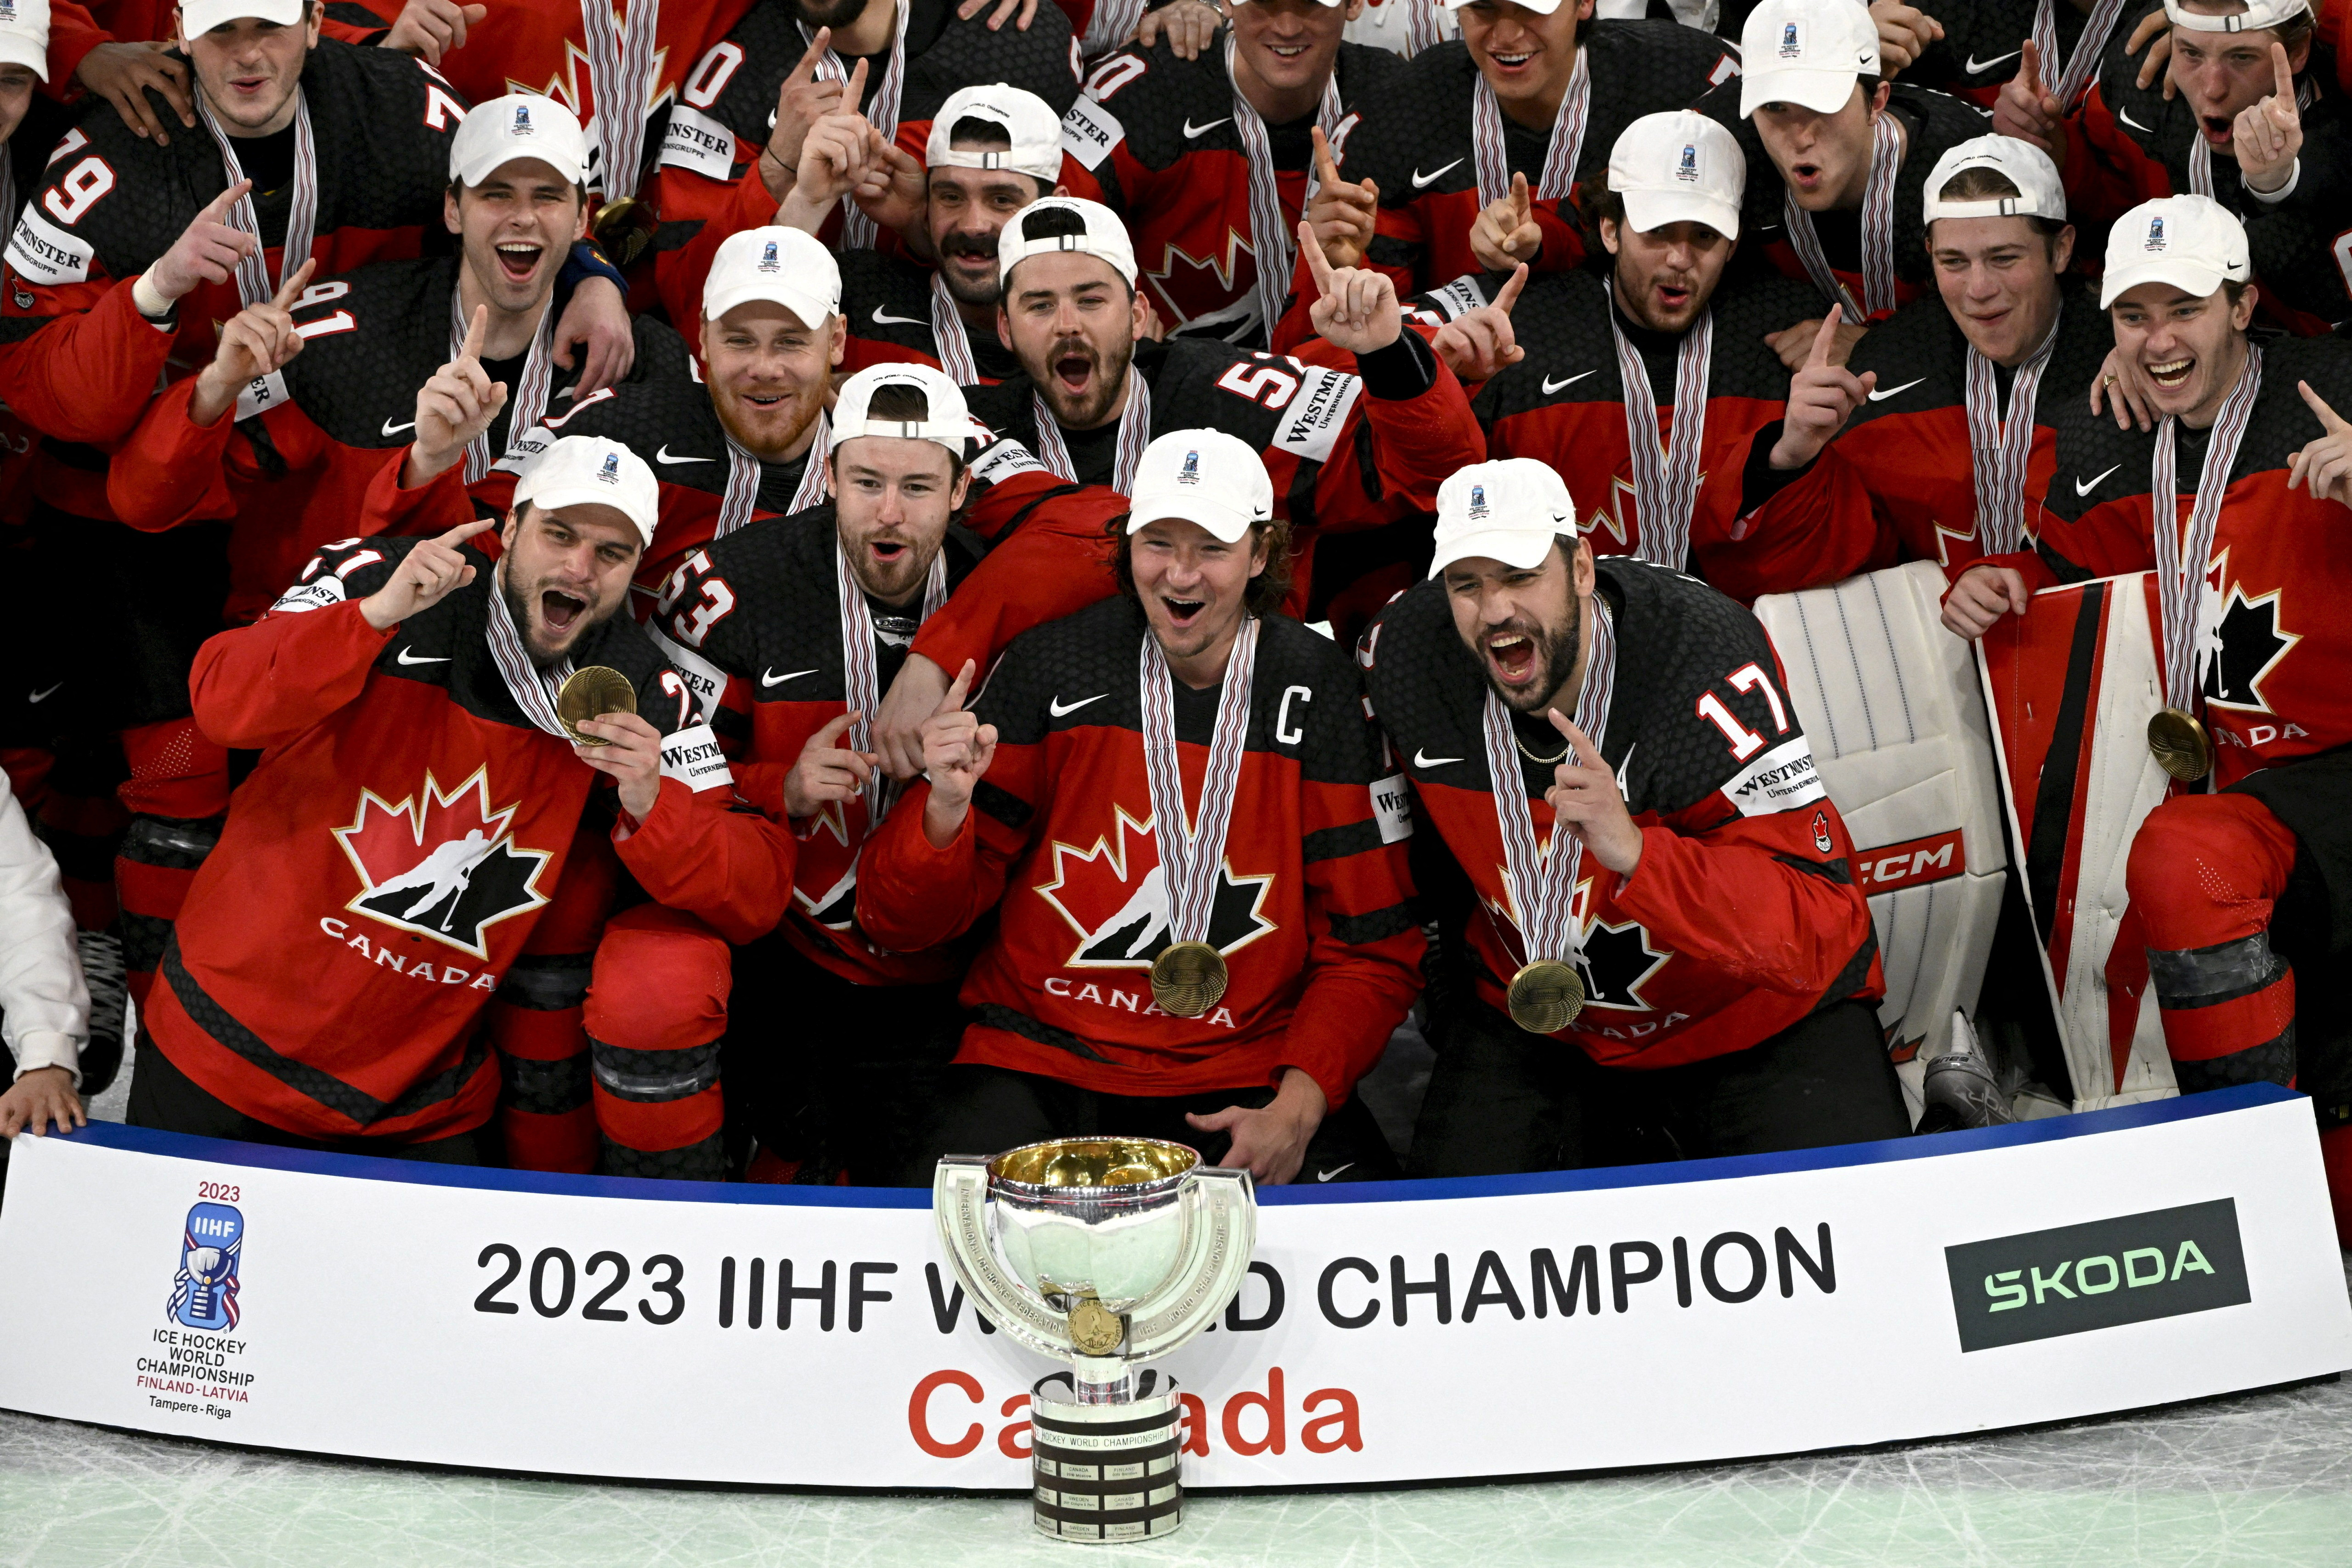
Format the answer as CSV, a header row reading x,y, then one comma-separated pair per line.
x,y
1877,231
1666,478
857,230
2180,564
1188,976
253,284
2002,446
534,690
1560,158
1271,247
527,404
1134,435
742,497
861,682
2076,79
620,83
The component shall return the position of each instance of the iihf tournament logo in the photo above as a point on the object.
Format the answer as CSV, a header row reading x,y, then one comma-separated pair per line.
x,y
2155,234
522,120
1191,474
768,262
7,10
442,864
1790,49
1478,501
203,1292
611,472
1689,167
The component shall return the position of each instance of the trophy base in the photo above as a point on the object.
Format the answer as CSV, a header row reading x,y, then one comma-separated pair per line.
x,y
1107,1472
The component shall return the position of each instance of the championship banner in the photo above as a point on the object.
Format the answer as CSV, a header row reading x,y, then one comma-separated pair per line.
x,y
1568,1321
2072,684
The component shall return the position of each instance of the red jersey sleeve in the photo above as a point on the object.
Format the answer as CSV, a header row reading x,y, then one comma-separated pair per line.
x,y
85,375
259,685
695,851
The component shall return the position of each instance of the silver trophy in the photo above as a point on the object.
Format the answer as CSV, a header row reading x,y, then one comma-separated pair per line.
x,y
1105,1252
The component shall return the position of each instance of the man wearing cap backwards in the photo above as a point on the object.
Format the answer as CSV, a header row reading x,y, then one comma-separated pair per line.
x,y
1956,447
2231,891
1471,166
1347,451
1615,365
414,811
1696,935
1199,881
2239,117
1209,160
1828,142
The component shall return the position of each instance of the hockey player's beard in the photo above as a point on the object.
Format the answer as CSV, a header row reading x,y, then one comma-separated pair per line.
x,y
834,13
1549,653
546,645
982,295
1091,409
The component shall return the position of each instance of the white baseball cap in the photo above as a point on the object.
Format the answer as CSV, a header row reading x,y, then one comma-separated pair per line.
x,y
1105,235
2040,193
785,265
1807,52
2191,242
1510,511
1027,120
592,470
2258,15
1201,476
1678,168
1540,7
199,16
949,421
25,35
519,125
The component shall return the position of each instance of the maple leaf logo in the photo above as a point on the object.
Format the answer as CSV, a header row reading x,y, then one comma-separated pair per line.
x,y
1616,958
441,864
1115,898
1199,292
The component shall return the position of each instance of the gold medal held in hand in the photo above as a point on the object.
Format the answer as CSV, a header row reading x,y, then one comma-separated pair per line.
x,y
1546,996
591,693
2180,745
1187,978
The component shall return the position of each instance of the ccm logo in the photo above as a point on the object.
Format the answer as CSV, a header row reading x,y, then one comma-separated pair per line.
x,y
1915,864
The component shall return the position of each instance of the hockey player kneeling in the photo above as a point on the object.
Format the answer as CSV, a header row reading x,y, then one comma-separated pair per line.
x,y
1176,797
1691,956
413,810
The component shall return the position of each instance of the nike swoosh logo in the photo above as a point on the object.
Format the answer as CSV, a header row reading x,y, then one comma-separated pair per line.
x,y
1551,387
1058,711
1889,392
407,657
1421,180
1976,65
768,680
2125,115
663,457
1422,759
45,696
391,429
1191,130
2082,488
882,319
1326,1176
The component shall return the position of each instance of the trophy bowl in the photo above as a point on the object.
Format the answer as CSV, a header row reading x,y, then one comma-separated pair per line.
x,y
1091,1217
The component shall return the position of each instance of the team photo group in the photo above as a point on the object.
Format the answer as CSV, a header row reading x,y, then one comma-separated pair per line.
x,y
776,590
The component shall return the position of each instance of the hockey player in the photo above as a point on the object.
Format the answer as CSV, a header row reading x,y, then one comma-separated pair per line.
x,y
1347,451
1615,366
1981,45
2232,891
1472,167
1208,161
1956,447
2244,116
1829,143
1198,882
1692,955
404,694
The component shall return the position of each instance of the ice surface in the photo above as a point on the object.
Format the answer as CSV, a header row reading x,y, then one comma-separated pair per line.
x,y
2257,1479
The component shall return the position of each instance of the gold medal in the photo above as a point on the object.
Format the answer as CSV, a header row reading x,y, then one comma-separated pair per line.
x,y
1094,1328
623,229
1546,996
1187,978
591,693
2180,745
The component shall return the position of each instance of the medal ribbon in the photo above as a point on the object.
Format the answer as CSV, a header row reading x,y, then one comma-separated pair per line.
x,y
1543,891
1560,158
1877,231
861,684
253,284
1111,26
1665,478
1420,26
2181,567
2085,65
1192,857
527,404
620,83
1271,247
948,333
858,231
534,690
742,497
2002,446
1134,435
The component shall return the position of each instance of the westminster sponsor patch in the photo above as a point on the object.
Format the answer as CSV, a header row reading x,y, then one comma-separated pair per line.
x,y
1783,777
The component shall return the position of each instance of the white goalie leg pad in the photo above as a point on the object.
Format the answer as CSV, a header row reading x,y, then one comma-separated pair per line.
x,y
1895,711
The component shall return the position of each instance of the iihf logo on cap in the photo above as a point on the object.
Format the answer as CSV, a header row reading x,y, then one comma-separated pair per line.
x,y
2155,234
7,10
1790,48
1478,500
1191,474
768,262
611,472
522,120
1689,168
203,1291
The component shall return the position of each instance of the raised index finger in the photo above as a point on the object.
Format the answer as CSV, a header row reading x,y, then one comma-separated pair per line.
x,y
466,530
819,47
854,93
216,210
2281,75
1326,169
1822,342
2028,68
472,348
1519,195
2328,418
1508,295
953,702
292,290
1318,265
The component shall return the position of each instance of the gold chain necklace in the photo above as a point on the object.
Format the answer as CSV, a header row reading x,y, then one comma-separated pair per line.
x,y
1541,762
